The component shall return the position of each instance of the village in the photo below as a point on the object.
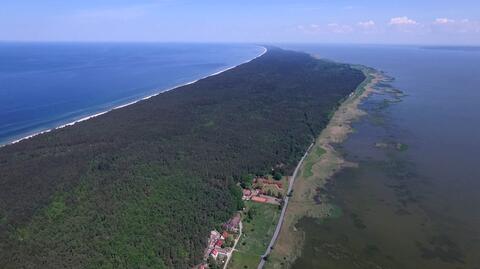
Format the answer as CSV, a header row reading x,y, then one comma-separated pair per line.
x,y
221,244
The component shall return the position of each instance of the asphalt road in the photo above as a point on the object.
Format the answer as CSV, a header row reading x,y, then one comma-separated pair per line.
x,y
284,209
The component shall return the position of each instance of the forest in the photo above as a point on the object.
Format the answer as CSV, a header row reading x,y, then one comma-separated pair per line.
x,y
142,186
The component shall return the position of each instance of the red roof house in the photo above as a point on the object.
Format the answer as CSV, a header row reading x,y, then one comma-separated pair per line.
x,y
225,234
214,253
259,199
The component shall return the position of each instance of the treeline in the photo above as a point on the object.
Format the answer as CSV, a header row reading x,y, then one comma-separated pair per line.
x,y
142,186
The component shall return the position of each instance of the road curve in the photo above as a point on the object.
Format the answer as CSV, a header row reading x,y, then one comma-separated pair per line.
x,y
284,209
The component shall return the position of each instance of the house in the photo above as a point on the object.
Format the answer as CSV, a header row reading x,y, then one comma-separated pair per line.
x,y
222,252
212,240
214,254
225,234
259,199
219,243
246,194
232,224
214,234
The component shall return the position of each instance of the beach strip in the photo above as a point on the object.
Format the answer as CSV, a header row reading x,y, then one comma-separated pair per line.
x,y
131,103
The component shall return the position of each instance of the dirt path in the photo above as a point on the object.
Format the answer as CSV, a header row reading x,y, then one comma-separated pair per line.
x,y
229,257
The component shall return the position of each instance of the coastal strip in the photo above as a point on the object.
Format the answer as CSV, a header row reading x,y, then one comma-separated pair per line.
x,y
132,102
144,185
284,209
321,163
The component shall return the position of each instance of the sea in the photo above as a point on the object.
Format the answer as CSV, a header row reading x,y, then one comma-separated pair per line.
x,y
412,202
46,85
414,199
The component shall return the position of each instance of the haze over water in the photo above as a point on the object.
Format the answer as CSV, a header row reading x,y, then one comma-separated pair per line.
x,y
413,208
44,85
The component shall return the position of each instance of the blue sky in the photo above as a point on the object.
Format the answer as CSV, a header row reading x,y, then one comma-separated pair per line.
x,y
321,21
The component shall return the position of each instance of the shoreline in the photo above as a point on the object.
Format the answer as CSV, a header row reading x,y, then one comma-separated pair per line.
x,y
321,168
129,103
281,219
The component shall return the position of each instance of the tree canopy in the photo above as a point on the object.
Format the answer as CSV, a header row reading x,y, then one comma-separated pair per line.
x,y
142,186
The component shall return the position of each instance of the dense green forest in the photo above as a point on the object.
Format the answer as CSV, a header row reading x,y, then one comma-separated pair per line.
x,y
142,186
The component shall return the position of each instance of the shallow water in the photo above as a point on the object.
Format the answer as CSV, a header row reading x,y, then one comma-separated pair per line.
x,y
44,85
413,200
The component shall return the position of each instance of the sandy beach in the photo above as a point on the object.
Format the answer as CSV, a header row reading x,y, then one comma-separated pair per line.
x,y
129,103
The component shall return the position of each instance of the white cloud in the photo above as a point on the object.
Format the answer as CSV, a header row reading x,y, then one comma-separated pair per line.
x,y
339,28
326,28
443,21
366,24
402,21
455,26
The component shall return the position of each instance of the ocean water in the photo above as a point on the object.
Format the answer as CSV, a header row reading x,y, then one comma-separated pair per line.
x,y
45,85
417,207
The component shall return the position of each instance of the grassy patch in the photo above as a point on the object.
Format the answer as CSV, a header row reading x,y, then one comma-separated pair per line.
x,y
319,151
257,233
311,160
307,171
244,260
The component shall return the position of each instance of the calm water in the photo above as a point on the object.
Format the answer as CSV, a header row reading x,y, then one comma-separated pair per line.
x,y
45,85
413,208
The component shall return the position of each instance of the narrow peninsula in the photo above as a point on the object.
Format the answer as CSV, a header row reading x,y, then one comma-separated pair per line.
x,y
144,185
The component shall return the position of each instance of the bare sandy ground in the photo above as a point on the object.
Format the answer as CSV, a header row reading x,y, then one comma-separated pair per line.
x,y
322,167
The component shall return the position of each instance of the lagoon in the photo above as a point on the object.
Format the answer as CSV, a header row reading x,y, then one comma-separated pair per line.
x,y
413,205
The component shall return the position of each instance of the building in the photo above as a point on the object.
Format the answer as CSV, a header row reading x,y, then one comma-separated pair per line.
x,y
214,254
246,194
222,252
232,224
219,253
259,199
225,235
212,240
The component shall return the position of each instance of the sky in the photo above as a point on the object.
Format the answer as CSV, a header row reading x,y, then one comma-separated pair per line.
x,y
442,22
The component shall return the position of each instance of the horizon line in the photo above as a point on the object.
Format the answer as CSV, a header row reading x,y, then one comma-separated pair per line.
x,y
239,42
